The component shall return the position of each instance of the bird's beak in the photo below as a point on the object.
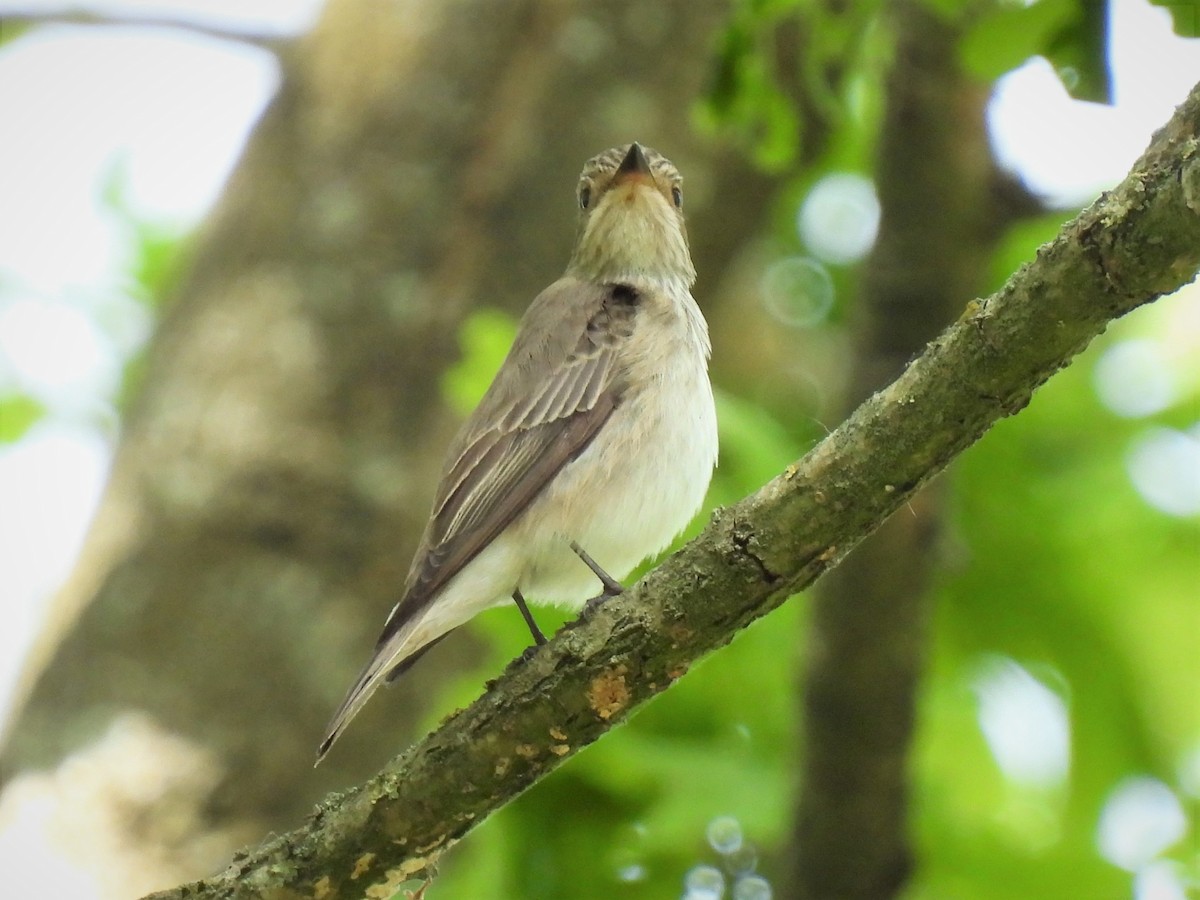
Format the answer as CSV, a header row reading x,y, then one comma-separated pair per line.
x,y
634,167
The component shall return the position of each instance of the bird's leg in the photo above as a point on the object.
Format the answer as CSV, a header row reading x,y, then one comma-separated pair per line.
x,y
612,587
538,637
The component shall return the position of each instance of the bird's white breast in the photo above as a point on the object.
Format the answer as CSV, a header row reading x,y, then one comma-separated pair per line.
x,y
645,474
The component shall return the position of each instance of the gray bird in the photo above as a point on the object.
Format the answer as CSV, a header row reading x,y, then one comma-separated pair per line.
x,y
593,447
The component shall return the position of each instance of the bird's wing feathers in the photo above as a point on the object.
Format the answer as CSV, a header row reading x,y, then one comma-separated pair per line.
x,y
512,469
555,390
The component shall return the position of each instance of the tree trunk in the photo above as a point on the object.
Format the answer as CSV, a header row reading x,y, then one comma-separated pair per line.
x,y
866,640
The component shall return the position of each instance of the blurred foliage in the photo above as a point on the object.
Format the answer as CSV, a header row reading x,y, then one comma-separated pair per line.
x,y
1068,571
1071,34
483,341
10,31
1185,17
158,249
158,257
18,413
784,68
745,94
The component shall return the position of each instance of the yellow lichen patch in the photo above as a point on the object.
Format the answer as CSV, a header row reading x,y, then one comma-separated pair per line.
x,y
361,865
411,867
395,877
608,694
560,749
502,766
972,309
557,733
436,842
322,888
526,751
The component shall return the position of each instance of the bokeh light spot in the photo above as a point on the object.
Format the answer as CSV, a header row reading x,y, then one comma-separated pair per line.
x,y
839,219
1133,380
752,887
1025,724
1140,820
724,835
797,291
1164,465
704,883
1162,879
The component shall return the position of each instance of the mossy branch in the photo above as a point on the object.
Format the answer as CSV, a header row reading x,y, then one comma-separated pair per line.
x,y
1134,244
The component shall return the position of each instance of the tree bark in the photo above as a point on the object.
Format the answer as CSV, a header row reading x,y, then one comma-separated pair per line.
x,y
276,468
1134,244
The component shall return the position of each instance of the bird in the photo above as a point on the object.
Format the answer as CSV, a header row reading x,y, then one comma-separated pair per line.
x,y
594,446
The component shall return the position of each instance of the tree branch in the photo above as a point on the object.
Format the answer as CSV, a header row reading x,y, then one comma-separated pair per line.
x,y
274,40
1134,244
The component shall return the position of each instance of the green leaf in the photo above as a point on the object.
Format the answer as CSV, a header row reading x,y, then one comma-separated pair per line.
x,y
1071,34
755,447
157,246
10,31
157,261
1185,17
18,413
1006,36
950,10
484,338
1079,53
745,99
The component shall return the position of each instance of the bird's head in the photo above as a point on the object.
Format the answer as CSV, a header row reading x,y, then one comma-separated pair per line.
x,y
631,220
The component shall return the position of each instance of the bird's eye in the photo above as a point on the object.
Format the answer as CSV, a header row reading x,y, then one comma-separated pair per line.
x,y
677,196
585,197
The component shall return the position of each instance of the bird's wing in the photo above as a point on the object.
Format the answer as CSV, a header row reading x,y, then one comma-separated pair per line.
x,y
552,395
555,391
557,387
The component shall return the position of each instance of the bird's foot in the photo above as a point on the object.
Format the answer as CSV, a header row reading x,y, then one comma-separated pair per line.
x,y
529,653
612,587
596,602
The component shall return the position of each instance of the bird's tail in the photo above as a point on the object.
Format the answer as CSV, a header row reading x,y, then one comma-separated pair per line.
x,y
398,650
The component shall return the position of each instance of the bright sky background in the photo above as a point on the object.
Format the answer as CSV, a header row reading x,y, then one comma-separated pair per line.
x,y
169,110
